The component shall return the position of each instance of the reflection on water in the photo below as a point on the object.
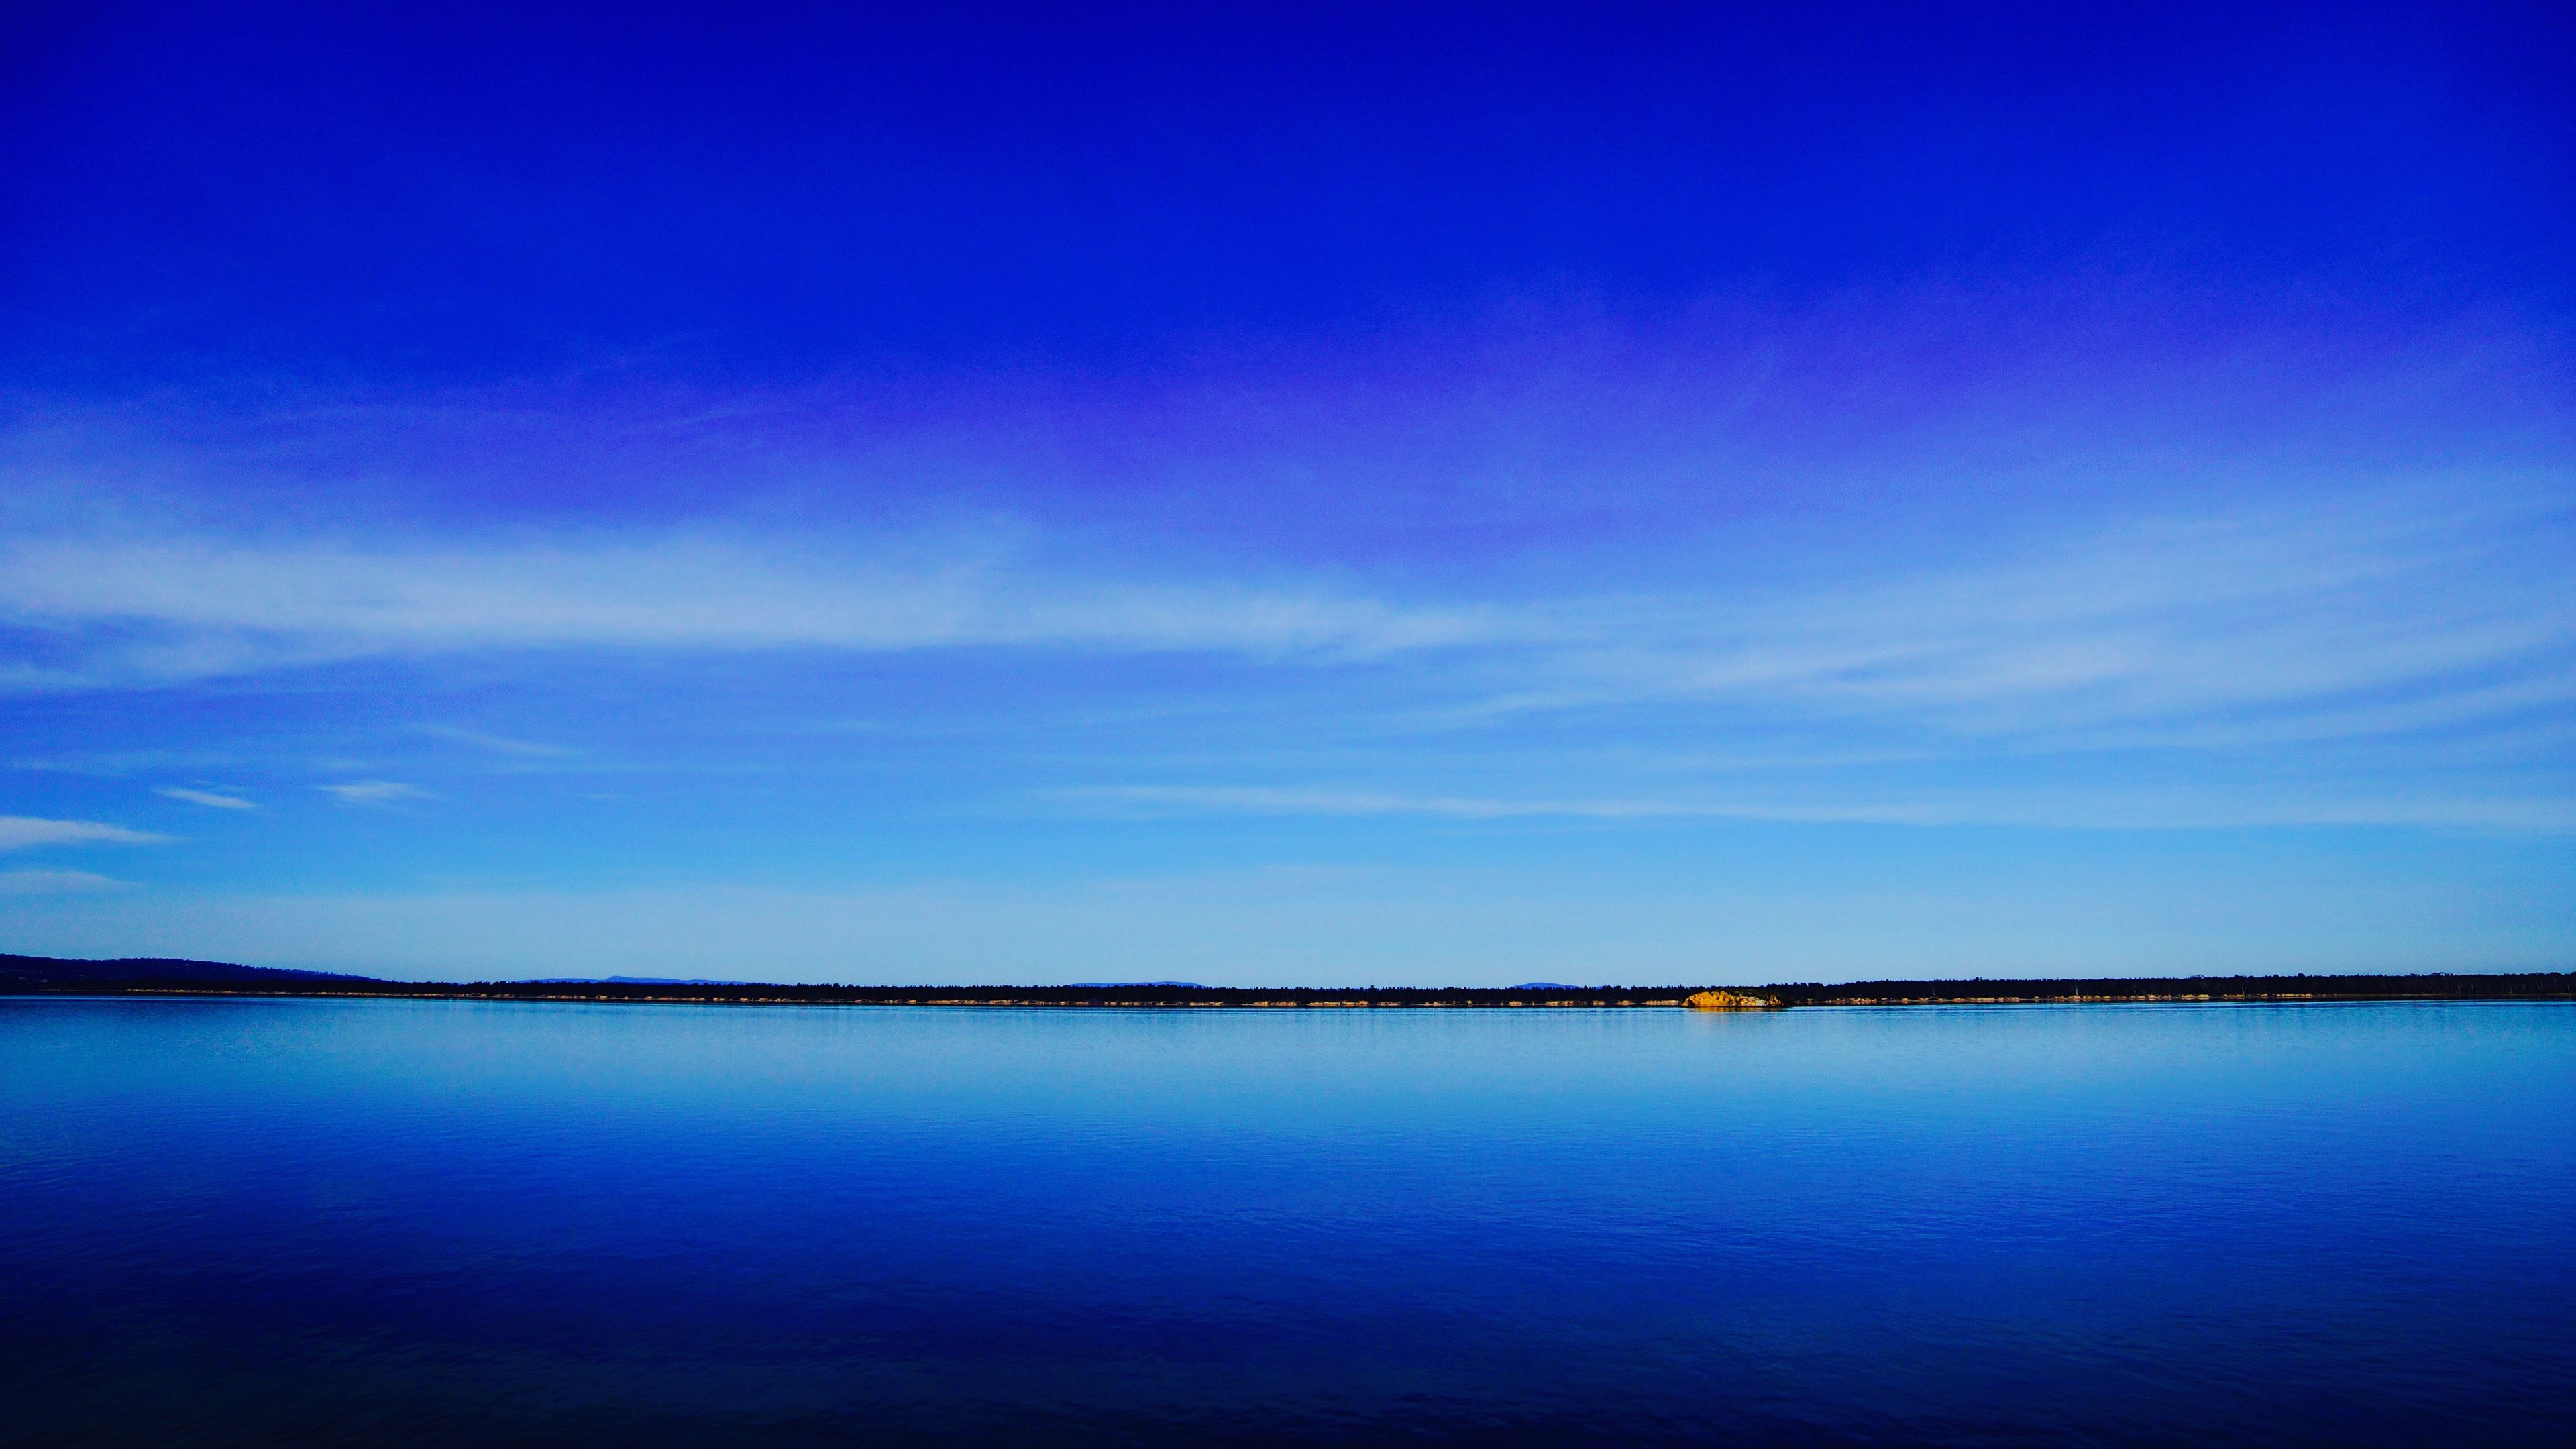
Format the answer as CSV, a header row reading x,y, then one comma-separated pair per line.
x,y
243,1222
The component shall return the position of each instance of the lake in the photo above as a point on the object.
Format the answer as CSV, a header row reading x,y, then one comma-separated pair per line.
x,y
408,1222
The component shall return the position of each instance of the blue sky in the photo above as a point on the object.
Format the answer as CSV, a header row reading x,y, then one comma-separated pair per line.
x,y
1289,495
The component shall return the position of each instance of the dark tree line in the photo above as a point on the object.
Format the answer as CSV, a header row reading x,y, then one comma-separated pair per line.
x,y
45,974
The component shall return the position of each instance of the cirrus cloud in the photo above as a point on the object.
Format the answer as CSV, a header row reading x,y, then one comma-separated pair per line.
x,y
374,792
25,832
212,799
157,610
56,882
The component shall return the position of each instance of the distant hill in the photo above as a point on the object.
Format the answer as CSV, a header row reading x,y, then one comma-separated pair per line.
x,y
126,971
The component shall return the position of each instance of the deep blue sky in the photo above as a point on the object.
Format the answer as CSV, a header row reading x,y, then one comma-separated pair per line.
x,y
1377,496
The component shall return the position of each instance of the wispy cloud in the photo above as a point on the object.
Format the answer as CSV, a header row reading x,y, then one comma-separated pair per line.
x,y
2360,620
160,610
2317,622
1305,800
374,792
496,744
2093,807
56,882
22,832
210,798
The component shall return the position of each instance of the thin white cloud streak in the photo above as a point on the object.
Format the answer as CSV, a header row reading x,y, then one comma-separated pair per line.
x,y
373,792
2251,619
235,607
1304,800
2065,808
208,798
496,744
2369,619
56,882
26,832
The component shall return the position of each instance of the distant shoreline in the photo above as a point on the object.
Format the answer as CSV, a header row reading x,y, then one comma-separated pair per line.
x,y
55,976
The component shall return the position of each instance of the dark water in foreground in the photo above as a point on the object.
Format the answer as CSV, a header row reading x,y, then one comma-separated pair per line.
x,y
242,1222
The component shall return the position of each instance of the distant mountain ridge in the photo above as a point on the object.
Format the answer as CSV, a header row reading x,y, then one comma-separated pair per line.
x,y
125,970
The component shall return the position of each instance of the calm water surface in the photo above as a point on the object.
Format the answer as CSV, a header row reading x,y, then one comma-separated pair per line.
x,y
247,1222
